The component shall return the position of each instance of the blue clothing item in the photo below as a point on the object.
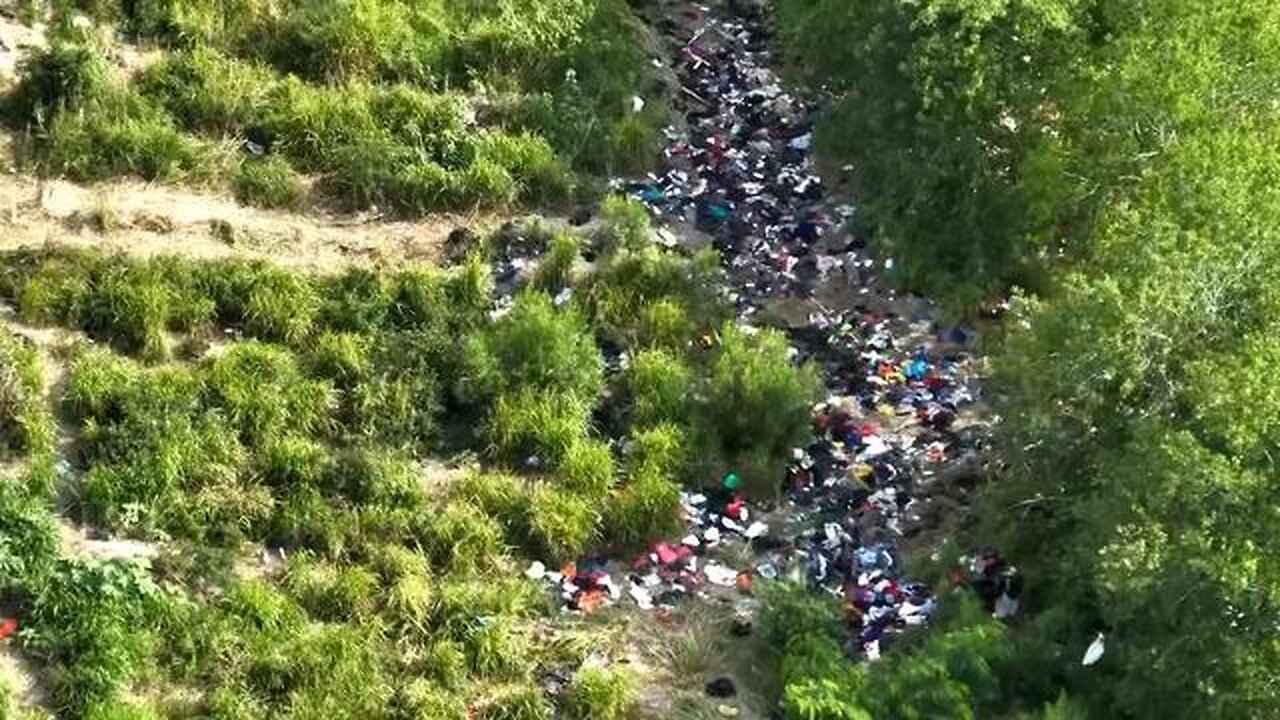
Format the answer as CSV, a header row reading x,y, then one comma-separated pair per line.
x,y
917,369
653,195
873,558
715,212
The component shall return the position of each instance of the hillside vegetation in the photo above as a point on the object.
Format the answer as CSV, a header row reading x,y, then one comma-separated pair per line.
x,y
220,407
412,107
1116,160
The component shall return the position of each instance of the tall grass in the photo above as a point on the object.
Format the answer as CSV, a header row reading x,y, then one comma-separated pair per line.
x,y
359,92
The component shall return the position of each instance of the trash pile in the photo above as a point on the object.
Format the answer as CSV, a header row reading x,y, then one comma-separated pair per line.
x,y
741,174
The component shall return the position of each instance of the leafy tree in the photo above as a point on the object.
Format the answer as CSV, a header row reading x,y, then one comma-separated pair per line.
x,y
1140,431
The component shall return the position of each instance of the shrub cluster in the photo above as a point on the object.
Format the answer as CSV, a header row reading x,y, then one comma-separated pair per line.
x,y
358,93
294,418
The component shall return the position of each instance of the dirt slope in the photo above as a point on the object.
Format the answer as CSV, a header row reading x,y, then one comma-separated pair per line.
x,y
141,219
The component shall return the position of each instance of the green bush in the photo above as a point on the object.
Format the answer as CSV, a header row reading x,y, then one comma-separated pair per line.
x,y
340,357
537,346
305,518
64,75
496,647
332,592
661,449
461,537
517,702
542,424
418,299
120,134
951,673
411,600
335,42
89,620
666,324
634,144
466,603
313,125
26,423
132,304
555,270
647,508
600,693
156,459
57,288
267,182
129,305
434,122
269,302
759,403
470,292
624,224
643,295
498,496
661,388
325,670
537,175
381,477
206,91
290,461
400,401
99,384
587,469
425,700
445,662
264,393
358,300
562,525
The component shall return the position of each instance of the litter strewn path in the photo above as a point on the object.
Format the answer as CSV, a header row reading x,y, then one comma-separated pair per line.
x,y
897,440
902,390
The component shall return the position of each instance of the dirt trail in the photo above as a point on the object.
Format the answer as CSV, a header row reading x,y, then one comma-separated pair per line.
x,y
142,219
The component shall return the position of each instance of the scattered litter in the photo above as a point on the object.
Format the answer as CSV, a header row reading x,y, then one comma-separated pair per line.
x,y
739,171
721,687
720,575
643,598
1095,651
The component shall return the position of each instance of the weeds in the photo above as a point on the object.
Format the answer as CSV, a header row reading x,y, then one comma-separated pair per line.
x,y
646,508
426,701
538,425
537,346
268,182
263,393
326,87
65,75
398,597
562,525
661,388
761,402
26,425
600,693
587,468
